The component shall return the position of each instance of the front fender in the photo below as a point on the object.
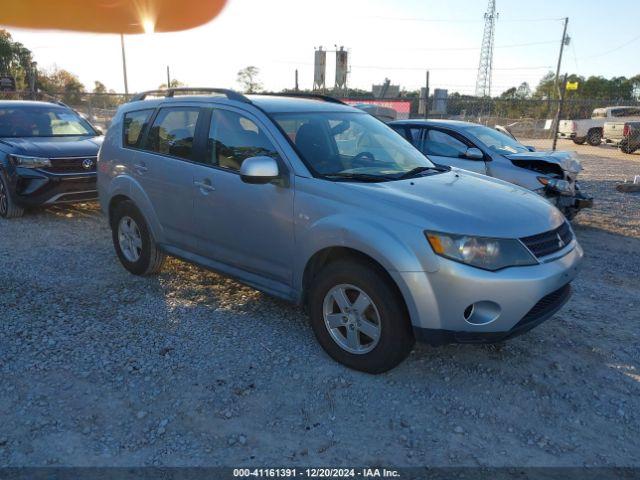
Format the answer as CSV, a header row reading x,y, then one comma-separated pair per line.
x,y
396,248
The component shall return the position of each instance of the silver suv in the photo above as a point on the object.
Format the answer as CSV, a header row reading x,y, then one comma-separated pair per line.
x,y
319,203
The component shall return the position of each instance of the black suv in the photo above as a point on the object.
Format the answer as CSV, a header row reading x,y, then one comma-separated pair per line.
x,y
47,156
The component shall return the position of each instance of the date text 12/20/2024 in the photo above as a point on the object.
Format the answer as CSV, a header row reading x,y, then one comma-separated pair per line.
x,y
315,473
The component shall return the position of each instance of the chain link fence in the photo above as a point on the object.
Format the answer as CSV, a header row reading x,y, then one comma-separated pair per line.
x,y
98,108
524,118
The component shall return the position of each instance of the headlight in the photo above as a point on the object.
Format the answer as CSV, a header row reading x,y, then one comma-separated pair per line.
x,y
30,162
557,184
481,252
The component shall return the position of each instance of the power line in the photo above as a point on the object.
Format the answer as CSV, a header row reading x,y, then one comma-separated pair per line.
x,y
447,49
384,67
452,20
634,39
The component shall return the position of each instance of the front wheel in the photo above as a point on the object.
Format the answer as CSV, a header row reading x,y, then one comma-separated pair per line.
x,y
579,140
570,213
594,137
359,317
133,242
8,208
626,148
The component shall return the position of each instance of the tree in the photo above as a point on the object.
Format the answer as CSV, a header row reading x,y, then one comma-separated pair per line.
x,y
174,84
523,91
16,60
60,82
509,93
248,78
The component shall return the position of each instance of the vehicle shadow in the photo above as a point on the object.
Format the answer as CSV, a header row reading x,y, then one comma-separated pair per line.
x,y
220,362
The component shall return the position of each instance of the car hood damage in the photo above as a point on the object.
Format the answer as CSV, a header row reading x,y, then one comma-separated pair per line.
x,y
567,161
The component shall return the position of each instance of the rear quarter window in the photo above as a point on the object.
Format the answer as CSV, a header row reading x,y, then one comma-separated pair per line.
x,y
134,124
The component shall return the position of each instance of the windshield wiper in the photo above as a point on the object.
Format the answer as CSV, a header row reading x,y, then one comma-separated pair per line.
x,y
415,172
360,177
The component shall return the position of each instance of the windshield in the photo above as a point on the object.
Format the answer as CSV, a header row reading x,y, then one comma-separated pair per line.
x,y
350,144
42,122
497,141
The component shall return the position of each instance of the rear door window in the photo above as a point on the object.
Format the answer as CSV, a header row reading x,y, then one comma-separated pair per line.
x,y
173,132
133,125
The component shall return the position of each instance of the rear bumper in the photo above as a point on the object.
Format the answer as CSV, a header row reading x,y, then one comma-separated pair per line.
x,y
30,187
571,135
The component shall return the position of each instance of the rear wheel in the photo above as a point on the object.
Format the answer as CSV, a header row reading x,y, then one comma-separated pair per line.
x,y
133,242
8,208
594,137
579,140
625,148
359,317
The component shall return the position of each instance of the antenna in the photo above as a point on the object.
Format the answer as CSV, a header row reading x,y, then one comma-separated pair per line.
x,y
483,82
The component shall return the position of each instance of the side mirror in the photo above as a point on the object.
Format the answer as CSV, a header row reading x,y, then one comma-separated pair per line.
x,y
259,170
531,148
474,154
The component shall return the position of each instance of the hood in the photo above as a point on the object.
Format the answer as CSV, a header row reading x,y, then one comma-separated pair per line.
x,y
568,161
52,147
461,202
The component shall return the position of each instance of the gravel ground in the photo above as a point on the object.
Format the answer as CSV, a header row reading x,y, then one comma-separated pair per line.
x,y
98,367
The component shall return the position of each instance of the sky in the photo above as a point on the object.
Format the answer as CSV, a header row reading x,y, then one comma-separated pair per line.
x,y
398,39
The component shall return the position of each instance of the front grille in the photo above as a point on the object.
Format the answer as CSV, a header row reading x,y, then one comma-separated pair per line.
x,y
71,165
549,242
547,305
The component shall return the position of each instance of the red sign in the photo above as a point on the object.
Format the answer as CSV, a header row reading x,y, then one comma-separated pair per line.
x,y
402,107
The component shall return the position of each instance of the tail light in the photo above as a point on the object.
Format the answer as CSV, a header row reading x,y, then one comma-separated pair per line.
x,y
625,130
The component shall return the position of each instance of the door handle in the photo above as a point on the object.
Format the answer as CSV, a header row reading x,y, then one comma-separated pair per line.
x,y
140,168
204,186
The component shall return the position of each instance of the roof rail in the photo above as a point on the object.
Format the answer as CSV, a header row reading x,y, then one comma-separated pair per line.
x,y
313,96
170,92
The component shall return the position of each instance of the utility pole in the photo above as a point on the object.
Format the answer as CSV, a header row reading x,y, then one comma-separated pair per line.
x,y
563,42
556,122
563,92
168,78
124,66
296,87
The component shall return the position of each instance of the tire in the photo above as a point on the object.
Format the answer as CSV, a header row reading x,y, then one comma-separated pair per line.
x,y
594,137
625,148
8,208
133,242
570,213
386,310
579,140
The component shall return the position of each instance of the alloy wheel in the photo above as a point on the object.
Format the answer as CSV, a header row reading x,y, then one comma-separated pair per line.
x,y
130,239
352,319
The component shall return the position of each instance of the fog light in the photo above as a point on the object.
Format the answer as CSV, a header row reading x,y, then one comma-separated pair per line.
x,y
481,313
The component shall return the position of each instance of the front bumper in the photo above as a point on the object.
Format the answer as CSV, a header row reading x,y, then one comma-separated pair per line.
x,y
576,202
31,187
508,301
540,312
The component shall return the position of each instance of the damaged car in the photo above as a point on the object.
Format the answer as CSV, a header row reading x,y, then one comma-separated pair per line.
x,y
484,150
